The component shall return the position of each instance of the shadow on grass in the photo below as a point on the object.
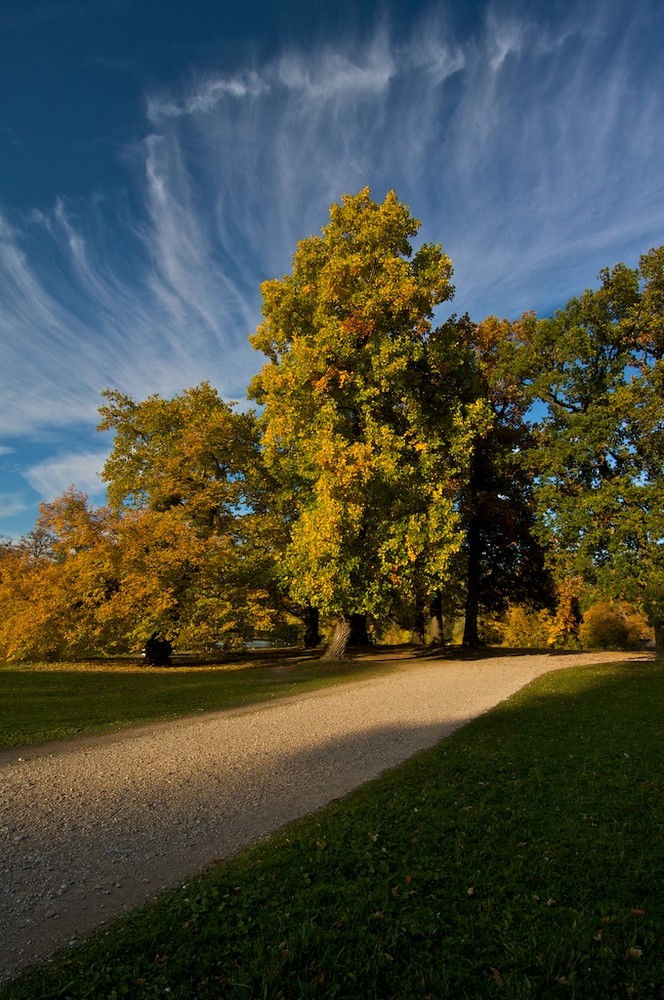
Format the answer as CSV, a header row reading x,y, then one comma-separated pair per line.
x,y
499,652
544,808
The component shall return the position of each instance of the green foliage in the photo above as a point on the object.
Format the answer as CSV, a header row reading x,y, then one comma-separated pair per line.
x,y
370,493
186,479
184,549
501,559
598,366
393,470
192,453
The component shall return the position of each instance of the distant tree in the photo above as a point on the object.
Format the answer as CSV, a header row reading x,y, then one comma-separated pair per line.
x,y
598,366
342,432
526,626
197,518
193,453
187,548
55,582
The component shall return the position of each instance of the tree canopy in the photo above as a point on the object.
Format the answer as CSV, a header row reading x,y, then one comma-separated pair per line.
x,y
597,366
342,426
395,468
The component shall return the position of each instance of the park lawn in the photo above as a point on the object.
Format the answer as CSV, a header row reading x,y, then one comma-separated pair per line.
x,y
523,857
41,703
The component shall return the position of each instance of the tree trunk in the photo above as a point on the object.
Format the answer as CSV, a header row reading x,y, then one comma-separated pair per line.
x,y
659,640
417,633
358,631
470,634
336,650
436,632
311,622
157,652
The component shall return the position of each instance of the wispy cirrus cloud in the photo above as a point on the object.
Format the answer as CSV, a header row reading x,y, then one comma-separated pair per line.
x,y
531,150
205,96
12,504
55,475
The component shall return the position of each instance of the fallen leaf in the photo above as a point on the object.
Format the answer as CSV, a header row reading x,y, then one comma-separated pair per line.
x,y
470,891
637,912
633,953
496,976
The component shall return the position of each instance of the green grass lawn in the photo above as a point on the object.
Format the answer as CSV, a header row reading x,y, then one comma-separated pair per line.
x,y
43,702
522,857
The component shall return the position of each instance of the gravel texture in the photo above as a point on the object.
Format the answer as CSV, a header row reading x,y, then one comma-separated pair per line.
x,y
93,827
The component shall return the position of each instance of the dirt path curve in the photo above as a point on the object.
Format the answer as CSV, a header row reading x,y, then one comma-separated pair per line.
x,y
91,828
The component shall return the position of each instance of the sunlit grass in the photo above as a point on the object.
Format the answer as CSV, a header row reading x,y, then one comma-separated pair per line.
x,y
521,858
42,702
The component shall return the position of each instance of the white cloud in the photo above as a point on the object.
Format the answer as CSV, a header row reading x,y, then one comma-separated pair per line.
x,y
332,74
12,504
532,151
55,475
205,96
434,55
505,37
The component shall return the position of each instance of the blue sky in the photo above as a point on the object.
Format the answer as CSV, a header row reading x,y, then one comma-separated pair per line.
x,y
159,159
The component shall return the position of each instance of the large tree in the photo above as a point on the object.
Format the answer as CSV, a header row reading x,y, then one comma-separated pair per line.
x,y
186,476
344,335
599,369
501,560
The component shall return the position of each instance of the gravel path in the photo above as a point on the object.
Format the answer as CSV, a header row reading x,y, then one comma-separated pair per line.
x,y
91,828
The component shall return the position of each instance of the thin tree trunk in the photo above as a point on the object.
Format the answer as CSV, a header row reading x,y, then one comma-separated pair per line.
x,y
417,633
470,634
659,640
339,641
358,631
311,622
436,633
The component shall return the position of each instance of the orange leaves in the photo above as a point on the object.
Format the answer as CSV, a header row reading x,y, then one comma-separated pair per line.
x,y
183,560
357,327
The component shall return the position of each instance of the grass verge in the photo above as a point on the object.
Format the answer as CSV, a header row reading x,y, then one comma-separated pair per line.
x,y
521,858
44,703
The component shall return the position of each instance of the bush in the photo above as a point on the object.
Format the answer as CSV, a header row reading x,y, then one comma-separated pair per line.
x,y
611,626
524,626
